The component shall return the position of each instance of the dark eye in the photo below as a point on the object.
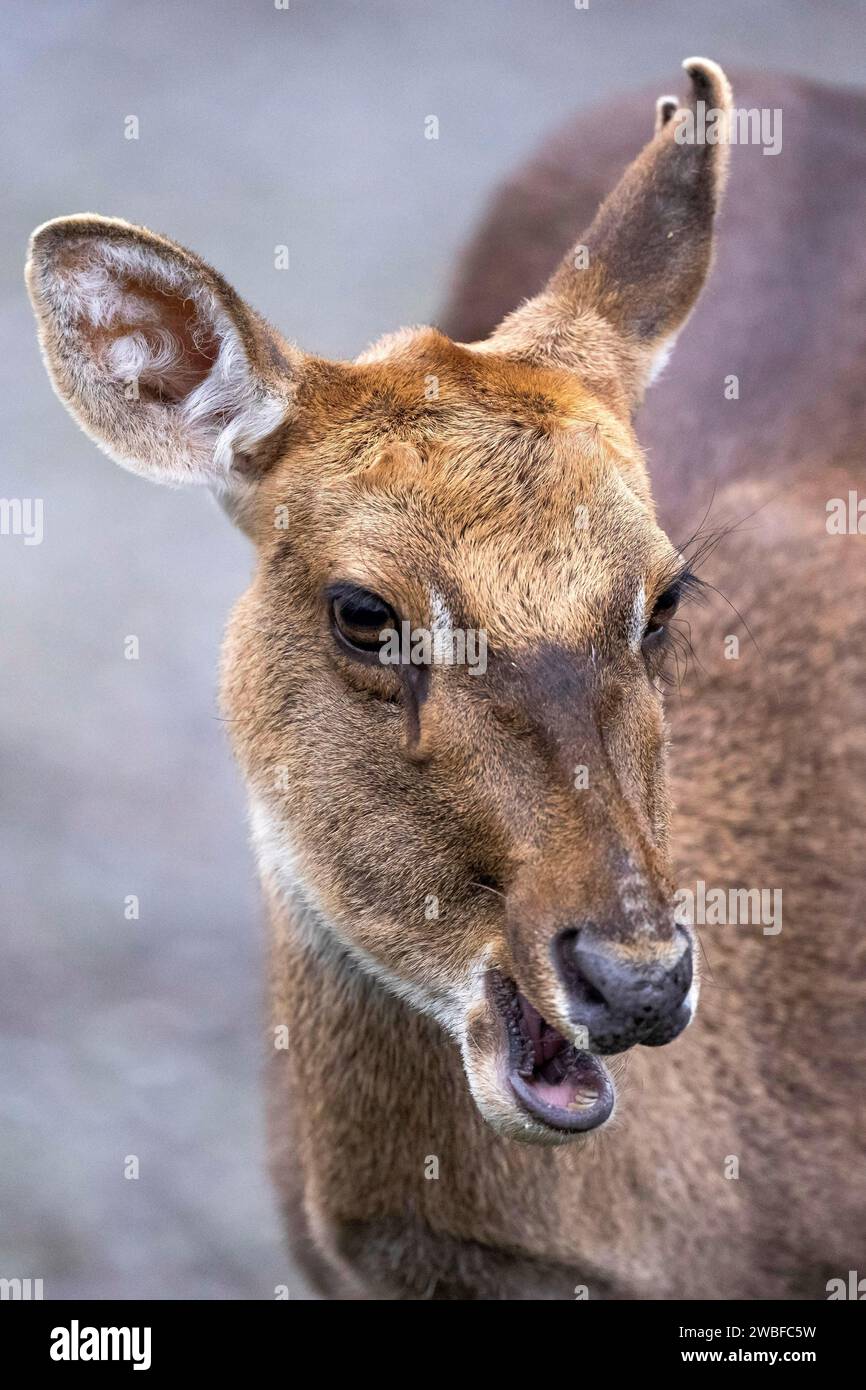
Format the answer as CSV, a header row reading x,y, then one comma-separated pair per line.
x,y
665,607
358,619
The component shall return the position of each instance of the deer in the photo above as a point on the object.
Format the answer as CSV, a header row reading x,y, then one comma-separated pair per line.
x,y
494,1080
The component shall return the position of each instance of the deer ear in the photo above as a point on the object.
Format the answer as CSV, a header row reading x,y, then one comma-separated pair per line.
x,y
614,306
154,354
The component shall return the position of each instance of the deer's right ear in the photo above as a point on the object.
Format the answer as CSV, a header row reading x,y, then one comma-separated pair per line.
x,y
154,354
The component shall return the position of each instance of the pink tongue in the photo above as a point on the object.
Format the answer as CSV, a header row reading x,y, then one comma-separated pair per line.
x,y
572,1091
545,1040
562,1095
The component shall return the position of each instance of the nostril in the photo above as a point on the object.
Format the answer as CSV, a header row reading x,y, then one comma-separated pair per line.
x,y
621,1002
578,968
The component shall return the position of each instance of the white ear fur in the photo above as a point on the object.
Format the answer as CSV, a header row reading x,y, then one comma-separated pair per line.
x,y
170,373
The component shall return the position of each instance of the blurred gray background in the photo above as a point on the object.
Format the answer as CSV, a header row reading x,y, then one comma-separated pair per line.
x,y
258,126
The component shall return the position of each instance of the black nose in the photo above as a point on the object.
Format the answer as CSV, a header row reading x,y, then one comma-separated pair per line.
x,y
621,1003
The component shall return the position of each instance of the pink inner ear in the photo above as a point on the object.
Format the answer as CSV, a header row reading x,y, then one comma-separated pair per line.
x,y
139,322
156,338
151,351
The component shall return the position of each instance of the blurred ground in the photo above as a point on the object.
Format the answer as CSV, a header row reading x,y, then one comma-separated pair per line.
x,y
258,127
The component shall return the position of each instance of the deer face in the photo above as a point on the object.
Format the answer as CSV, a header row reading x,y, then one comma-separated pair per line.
x,y
443,683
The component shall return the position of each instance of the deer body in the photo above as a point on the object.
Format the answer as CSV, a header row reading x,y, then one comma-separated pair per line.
x,y
768,750
441,1117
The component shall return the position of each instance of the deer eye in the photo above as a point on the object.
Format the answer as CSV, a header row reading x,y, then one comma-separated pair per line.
x,y
358,619
665,607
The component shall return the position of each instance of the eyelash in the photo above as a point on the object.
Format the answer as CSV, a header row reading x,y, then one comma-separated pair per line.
x,y
670,600
668,645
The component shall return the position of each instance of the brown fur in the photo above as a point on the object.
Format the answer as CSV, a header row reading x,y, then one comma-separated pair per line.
x,y
383,792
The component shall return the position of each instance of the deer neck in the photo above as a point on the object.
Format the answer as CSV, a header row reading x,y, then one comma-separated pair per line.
x,y
381,1118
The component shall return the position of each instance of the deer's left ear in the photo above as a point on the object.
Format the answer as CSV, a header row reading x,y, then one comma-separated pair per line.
x,y
613,308
156,357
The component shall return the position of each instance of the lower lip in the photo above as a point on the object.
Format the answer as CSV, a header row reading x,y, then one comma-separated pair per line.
x,y
574,1118
578,1097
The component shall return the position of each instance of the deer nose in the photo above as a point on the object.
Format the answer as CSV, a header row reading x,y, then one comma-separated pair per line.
x,y
620,1002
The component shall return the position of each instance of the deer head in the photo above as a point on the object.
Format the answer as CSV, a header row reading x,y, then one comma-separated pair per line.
x,y
444,680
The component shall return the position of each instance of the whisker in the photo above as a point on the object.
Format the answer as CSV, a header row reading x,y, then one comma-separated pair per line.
x,y
711,978
488,889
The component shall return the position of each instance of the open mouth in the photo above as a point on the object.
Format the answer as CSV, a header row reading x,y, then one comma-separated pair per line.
x,y
554,1081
